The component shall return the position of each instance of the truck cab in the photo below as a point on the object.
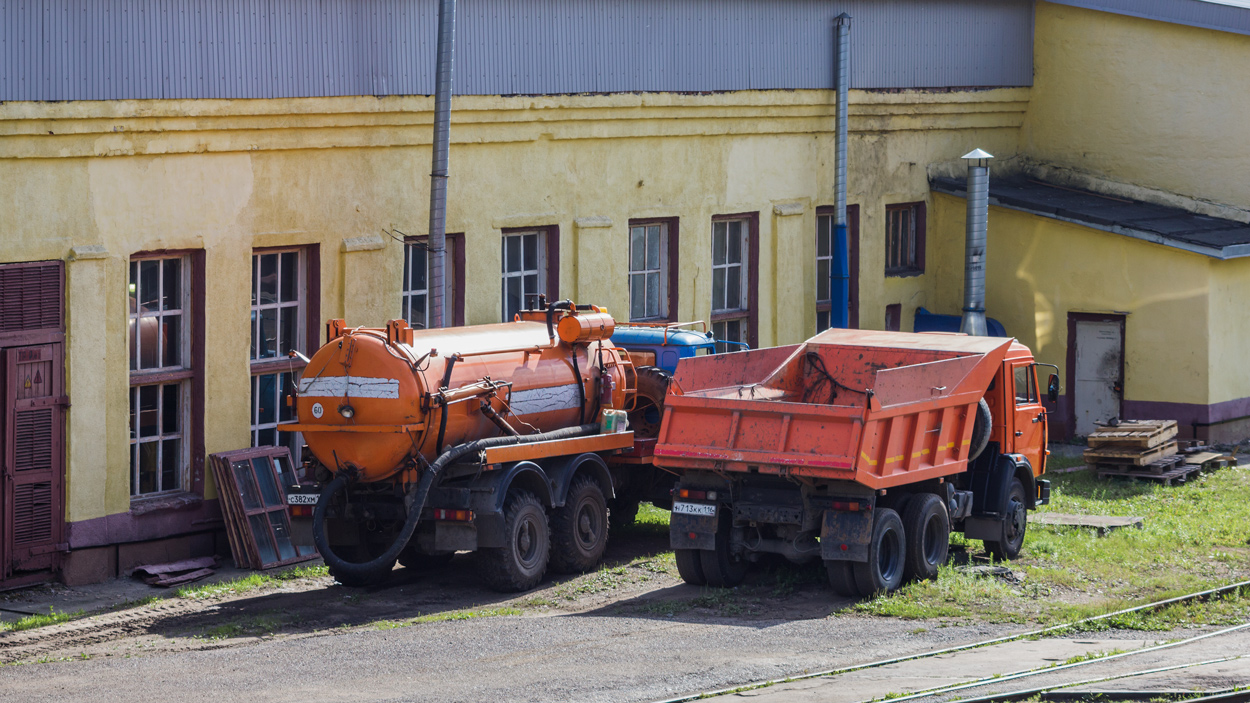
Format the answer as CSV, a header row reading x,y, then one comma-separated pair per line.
x,y
663,345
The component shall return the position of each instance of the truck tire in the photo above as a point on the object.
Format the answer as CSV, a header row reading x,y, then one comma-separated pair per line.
x,y
982,425
645,418
927,527
622,513
521,563
579,528
1015,523
690,566
842,578
721,568
410,558
887,552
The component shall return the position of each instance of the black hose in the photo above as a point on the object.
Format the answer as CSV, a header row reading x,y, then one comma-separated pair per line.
x,y
581,387
377,568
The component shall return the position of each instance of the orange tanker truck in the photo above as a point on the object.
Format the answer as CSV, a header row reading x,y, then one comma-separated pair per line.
x,y
863,449
495,438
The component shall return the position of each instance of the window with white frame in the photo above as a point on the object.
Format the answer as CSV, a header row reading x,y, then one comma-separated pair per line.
x,y
729,282
416,285
279,298
648,272
158,334
524,271
824,270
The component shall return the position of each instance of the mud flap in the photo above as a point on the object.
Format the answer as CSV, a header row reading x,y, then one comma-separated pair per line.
x,y
692,531
844,535
447,537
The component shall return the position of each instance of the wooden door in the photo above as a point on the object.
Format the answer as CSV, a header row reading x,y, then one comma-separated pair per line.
x,y
33,523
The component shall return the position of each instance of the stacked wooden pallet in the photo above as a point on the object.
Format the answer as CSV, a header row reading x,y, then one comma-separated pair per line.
x,y
1148,449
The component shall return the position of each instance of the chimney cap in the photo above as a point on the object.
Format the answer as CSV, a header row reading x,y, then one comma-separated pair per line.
x,y
977,154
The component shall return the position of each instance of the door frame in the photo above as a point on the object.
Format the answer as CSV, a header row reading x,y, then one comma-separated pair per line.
x,y
1070,371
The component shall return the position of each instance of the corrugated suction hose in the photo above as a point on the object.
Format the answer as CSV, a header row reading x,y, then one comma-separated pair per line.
x,y
377,568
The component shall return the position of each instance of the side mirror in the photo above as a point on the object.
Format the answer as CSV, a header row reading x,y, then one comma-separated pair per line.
x,y
1052,388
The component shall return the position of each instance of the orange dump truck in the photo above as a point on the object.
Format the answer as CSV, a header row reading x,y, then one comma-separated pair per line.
x,y
494,438
863,449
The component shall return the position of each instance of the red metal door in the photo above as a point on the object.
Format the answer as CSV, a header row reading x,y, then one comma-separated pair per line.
x,y
33,458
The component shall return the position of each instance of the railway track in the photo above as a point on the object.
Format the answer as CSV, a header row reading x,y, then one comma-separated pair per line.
x,y
1043,632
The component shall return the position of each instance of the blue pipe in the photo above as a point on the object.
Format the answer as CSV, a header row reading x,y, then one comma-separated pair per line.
x,y
840,278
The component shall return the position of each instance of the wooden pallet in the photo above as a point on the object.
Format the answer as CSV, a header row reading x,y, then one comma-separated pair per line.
x,y
1126,455
1134,434
1179,472
1158,466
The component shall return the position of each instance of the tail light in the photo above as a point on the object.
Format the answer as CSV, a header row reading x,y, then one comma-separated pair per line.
x,y
696,495
301,510
453,515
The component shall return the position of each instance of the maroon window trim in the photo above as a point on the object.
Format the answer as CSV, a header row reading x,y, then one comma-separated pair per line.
x,y
1070,356
552,235
674,260
455,245
753,276
921,224
195,482
852,235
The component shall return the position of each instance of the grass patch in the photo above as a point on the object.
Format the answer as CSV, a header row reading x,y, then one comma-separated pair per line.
x,y
252,582
1193,538
449,616
30,622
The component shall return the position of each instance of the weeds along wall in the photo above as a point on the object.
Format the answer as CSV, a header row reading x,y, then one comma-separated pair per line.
x,y
92,183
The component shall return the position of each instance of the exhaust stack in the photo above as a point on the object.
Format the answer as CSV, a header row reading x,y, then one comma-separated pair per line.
x,y
973,322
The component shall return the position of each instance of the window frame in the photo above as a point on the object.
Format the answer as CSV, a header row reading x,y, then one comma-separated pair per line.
x,y
455,256
825,306
669,266
548,264
918,220
188,376
309,338
751,262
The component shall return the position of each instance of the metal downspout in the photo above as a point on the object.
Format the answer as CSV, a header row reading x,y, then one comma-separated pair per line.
x,y
437,245
840,273
973,322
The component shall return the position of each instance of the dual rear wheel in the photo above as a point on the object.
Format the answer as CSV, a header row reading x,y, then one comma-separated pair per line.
x,y
569,539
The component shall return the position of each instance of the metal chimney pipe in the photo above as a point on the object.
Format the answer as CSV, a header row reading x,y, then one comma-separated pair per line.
x,y
973,322
437,245
840,273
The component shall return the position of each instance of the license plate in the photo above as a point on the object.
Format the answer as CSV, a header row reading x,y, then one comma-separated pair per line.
x,y
705,509
301,498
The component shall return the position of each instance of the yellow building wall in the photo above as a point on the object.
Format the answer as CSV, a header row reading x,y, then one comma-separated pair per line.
x,y
1140,101
92,183
1039,269
1230,319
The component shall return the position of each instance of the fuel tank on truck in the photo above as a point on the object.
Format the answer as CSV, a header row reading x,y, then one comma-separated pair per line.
x,y
373,400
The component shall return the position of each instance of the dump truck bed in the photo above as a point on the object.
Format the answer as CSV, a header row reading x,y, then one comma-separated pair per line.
x,y
879,408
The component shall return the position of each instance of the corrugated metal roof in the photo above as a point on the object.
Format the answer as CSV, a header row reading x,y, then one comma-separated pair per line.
x,y
1202,234
148,49
1223,16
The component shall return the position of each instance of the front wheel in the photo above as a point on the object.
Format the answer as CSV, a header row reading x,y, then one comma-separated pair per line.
x,y
1013,526
520,564
887,551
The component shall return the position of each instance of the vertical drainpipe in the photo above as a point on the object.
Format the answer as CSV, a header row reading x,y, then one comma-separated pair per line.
x,y
840,274
438,172
973,321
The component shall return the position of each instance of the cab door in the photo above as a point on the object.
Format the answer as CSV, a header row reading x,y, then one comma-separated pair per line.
x,y
1029,433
